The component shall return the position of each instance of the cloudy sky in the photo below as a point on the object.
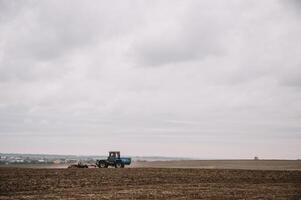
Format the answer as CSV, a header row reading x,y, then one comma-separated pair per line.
x,y
207,79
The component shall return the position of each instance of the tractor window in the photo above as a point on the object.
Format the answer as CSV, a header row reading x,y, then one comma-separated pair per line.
x,y
114,154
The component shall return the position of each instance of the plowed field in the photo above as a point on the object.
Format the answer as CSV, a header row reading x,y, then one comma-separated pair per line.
x,y
148,183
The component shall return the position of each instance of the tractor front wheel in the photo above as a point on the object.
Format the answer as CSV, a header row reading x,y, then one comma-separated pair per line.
x,y
119,165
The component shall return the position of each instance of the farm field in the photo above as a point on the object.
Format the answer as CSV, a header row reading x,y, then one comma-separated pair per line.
x,y
148,183
202,164
224,164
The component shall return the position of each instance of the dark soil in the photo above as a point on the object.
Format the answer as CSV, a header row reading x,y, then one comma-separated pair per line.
x,y
148,183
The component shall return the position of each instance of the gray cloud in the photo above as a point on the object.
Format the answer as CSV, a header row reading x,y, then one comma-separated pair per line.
x,y
210,77
183,37
294,5
48,31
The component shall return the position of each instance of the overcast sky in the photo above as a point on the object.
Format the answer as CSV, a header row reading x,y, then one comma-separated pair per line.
x,y
207,79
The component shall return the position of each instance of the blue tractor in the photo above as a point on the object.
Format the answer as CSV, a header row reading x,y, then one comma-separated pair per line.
x,y
114,160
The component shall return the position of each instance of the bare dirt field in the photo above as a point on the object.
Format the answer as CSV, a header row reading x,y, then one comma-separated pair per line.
x,y
201,164
224,164
148,183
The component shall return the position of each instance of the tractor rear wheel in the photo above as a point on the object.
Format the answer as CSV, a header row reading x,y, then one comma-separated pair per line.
x,y
102,165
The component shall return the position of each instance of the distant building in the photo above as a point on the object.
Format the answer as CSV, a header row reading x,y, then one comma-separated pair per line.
x,y
59,161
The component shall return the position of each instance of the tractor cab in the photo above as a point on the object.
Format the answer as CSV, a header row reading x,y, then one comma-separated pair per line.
x,y
113,156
